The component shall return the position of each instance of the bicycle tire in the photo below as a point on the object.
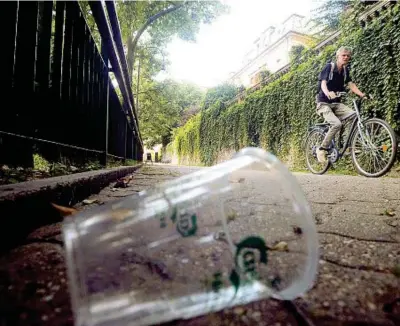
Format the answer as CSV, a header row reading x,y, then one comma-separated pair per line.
x,y
392,159
308,146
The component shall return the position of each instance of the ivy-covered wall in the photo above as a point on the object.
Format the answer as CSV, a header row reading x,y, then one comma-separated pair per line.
x,y
277,116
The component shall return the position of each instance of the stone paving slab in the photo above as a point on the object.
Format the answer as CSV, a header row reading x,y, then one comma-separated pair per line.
x,y
356,284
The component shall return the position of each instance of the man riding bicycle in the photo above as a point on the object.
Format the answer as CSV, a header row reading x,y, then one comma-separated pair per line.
x,y
333,79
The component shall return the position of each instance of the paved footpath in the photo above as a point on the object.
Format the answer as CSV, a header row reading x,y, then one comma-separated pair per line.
x,y
358,220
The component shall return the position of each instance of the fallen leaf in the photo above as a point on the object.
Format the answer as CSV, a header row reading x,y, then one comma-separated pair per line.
x,y
281,246
123,182
64,211
231,217
89,201
390,212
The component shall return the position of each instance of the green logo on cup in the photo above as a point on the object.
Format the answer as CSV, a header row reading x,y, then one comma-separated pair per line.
x,y
187,224
245,259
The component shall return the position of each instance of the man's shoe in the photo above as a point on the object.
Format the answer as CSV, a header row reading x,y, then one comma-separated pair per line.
x,y
322,155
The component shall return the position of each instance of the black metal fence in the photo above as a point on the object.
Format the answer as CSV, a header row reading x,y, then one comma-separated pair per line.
x,y
57,94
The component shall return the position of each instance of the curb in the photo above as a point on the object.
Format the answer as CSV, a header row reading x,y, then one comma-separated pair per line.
x,y
27,205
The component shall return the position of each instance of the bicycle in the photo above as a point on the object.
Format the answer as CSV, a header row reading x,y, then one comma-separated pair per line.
x,y
372,144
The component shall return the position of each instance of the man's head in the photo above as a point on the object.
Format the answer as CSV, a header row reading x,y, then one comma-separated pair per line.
x,y
343,55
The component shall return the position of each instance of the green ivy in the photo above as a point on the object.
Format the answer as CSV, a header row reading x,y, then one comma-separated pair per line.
x,y
277,116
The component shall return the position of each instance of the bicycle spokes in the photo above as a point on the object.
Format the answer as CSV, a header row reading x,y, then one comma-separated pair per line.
x,y
373,147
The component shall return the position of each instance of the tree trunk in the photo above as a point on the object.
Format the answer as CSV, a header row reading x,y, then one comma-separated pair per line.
x,y
130,57
133,43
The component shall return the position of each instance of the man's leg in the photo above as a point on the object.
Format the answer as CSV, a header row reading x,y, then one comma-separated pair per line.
x,y
346,116
343,111
335,125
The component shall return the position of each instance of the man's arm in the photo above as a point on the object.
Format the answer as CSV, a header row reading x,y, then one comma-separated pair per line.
x,y
324,87
353,87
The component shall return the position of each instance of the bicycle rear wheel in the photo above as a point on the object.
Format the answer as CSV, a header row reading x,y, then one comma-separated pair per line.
x,y
374,149
314,140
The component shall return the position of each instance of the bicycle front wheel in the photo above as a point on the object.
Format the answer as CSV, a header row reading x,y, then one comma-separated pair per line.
x,y
374,148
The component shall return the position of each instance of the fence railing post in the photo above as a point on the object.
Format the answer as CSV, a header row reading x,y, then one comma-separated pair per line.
x,y
106,95
125,138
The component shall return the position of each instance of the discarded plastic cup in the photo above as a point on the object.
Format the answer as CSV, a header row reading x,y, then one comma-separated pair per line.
x,y
236,232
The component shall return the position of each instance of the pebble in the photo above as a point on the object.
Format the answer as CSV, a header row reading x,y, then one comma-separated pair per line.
x,y
256,315
57,310
334,282
48,298
341,303
55,288
325,304
245,320
371,306
45,318
238,311
185,261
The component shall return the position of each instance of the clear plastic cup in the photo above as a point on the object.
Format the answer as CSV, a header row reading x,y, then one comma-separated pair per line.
x,y
236,232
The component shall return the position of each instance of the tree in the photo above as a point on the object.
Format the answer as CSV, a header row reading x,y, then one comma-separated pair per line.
x,y
329,12
147,27
223,93
296,52
156,22
165,106
265,73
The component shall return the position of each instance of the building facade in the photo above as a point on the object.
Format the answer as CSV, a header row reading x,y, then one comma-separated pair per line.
x,y
271,49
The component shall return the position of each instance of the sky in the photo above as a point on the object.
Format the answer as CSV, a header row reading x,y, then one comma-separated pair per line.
x,y
221,46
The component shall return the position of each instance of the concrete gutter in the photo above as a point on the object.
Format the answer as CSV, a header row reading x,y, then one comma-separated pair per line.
x,y
27,205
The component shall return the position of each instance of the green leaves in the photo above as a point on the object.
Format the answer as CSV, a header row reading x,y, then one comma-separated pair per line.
x,y
164,106
223,93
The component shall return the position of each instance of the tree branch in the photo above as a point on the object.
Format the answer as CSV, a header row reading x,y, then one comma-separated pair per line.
x,y
132,44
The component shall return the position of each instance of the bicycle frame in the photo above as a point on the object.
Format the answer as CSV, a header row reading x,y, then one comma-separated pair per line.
x,y
356,124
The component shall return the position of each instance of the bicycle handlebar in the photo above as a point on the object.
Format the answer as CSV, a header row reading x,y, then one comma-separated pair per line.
x,y
368,96
339,94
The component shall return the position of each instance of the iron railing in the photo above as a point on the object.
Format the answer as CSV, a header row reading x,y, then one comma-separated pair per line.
x,y
57,93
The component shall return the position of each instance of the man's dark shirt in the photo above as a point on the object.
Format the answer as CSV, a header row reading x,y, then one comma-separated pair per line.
x,y
337,84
